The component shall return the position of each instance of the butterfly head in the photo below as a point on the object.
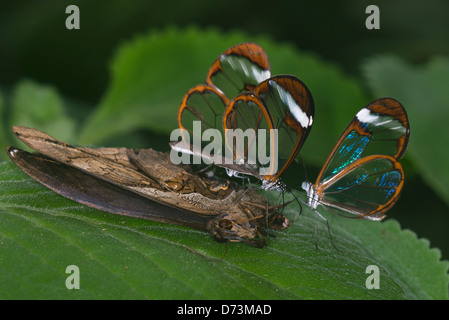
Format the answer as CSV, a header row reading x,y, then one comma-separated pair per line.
x,y
278,185
237,228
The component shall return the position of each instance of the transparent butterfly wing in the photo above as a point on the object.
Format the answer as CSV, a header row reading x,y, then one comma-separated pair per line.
x,y
238,69
291,109
247,134
281,103
201,109
362,175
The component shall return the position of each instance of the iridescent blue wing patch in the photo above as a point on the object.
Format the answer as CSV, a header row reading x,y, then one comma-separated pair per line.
x,y
368,187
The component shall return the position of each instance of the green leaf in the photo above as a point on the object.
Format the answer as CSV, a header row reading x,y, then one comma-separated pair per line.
x,y
3,133
423,92
41,233
152,73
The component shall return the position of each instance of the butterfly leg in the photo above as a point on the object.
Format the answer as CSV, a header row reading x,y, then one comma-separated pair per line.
x,y
328,230
300,202
246,190
267,204
204,169
316,236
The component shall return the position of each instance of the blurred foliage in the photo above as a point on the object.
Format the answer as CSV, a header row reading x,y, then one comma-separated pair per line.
x,y
118,81
41,107
35,42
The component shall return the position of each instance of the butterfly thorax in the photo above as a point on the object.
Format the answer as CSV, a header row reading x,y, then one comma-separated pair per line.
x,y
277,185
312,194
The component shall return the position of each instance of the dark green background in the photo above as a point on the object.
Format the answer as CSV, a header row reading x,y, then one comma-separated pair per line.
x,y
35,44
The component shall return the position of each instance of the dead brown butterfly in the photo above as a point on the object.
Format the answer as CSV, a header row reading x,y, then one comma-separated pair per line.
x,y
143,183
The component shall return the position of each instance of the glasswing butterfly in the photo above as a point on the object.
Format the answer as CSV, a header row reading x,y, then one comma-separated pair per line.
x,y
362,175
282,105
